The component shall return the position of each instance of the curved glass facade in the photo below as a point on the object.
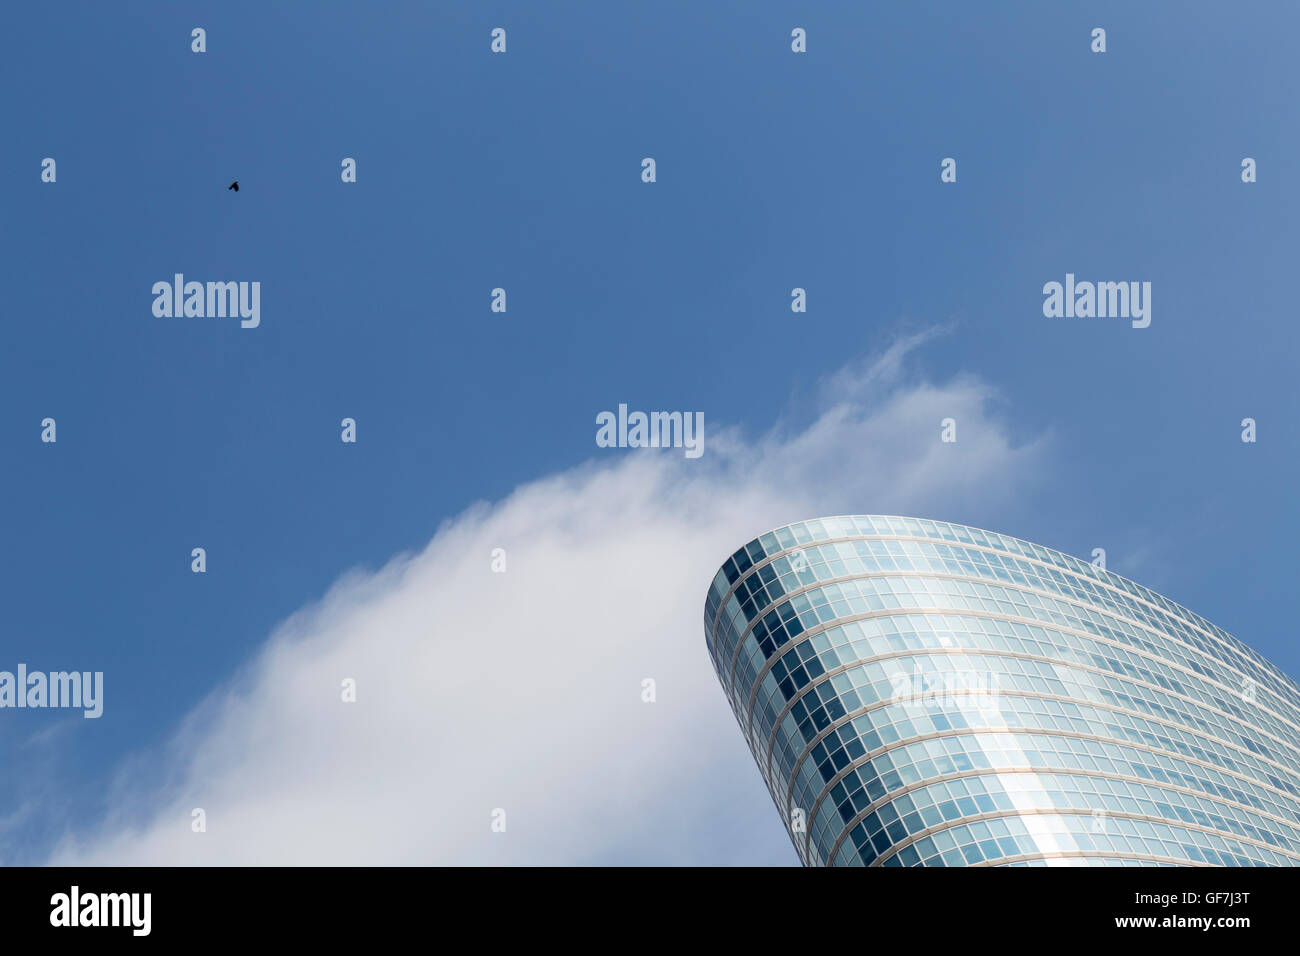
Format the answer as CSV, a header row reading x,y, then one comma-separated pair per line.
x,y
923,693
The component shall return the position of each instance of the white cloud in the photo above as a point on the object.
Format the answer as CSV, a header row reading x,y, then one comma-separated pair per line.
x,y
522,690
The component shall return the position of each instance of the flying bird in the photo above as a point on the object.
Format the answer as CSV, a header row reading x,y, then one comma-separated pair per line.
x,y
234,186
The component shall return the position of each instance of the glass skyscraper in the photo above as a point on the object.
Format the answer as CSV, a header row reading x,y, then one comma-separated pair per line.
x,y
926,694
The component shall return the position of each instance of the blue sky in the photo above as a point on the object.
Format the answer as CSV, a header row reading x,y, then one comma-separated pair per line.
x,y
522,171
